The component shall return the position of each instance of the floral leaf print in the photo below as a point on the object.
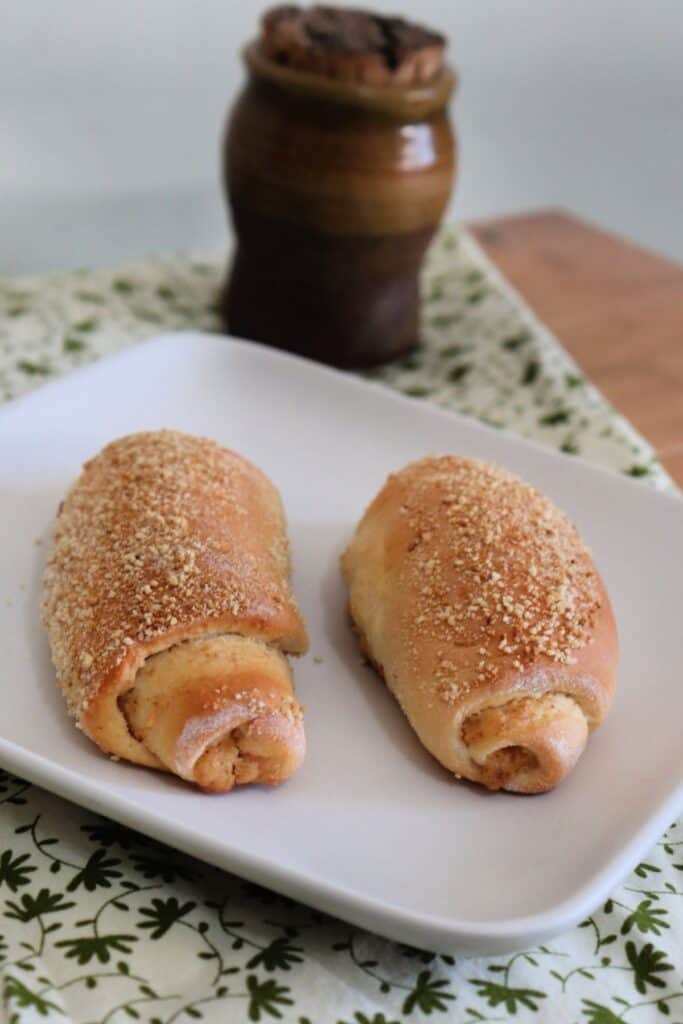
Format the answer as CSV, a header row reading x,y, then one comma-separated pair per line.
x,y
98,947
417,391
552,419
424,956
279,954
15,991
160,865
97,873
411,361
458,373
413,953
266,997
108,834
378,1018
32,368
531,372
510,998
73,344
599,1014
10,783
264,896
515,341
600,940
644,869
163,914
123,287
647,963
15,871
646,918
31,907
474,276
8,780
443,321
86,325
428,994
453,350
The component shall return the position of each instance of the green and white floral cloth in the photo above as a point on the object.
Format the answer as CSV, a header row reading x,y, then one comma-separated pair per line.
x,y
98,924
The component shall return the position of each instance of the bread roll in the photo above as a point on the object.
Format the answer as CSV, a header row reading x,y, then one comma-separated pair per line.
x,y
476,600
167,604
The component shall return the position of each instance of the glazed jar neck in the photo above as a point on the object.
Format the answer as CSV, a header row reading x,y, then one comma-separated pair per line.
x,y
402,103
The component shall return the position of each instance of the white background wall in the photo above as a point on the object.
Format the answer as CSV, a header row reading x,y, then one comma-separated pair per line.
x,y
111,111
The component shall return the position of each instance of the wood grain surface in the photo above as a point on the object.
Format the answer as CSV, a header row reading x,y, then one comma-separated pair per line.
x,y
617,309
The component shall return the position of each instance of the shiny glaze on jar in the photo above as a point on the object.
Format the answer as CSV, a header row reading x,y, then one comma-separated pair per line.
x,y
335,191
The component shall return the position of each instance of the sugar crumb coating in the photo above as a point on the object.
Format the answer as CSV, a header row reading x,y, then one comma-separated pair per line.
x,y
524,580
479,604
165,537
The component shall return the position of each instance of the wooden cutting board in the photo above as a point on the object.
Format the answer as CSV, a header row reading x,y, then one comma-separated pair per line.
x,y
617,308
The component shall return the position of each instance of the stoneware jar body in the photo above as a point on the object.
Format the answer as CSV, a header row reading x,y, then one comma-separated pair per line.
x,y
335,191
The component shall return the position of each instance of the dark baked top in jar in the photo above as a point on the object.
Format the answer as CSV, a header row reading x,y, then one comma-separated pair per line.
x,y
352,45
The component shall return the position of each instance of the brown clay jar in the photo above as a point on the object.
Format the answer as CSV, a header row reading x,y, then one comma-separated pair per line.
x,y
335,190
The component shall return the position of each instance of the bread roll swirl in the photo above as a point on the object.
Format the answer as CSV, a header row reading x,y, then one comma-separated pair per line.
x,y
168,608
477,601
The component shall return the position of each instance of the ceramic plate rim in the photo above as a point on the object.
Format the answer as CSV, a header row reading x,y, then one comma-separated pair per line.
x,y
361,909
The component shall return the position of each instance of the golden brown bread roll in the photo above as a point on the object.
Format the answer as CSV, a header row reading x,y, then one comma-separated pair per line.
x,y
477,601
167,604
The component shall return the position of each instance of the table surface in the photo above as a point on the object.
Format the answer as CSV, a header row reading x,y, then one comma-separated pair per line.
x,y
617,309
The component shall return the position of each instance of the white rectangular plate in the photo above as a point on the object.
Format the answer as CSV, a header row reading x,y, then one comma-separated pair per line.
x,y
371,828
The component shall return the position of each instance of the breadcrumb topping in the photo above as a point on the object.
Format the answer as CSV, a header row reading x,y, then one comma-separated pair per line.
x,y
159,531
496,568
